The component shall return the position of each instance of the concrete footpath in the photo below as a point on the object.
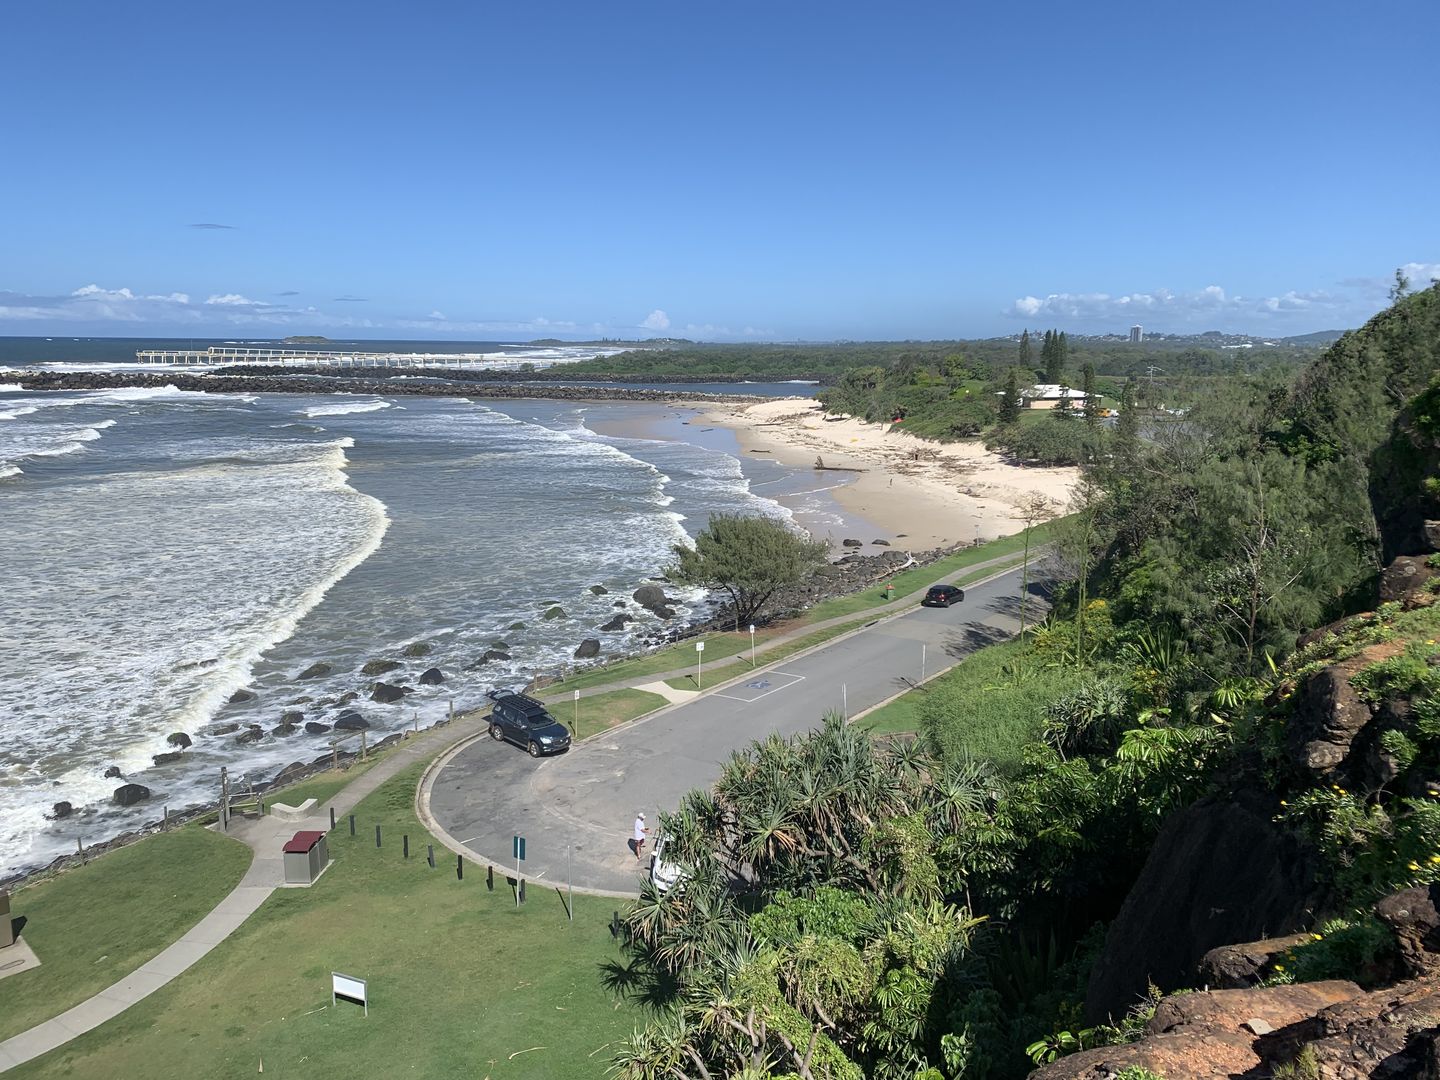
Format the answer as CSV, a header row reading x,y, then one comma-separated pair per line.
x,y
265,836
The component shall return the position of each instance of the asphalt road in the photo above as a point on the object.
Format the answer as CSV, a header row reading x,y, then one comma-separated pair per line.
x,y
575,810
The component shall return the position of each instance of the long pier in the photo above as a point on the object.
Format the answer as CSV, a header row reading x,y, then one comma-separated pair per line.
x,y
225,356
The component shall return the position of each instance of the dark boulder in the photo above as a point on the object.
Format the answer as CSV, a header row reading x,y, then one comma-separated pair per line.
x,y
664,612
1403,575
516,626
416,648
1414,917
222,729
304,700
180,739
649,596
239,697
588,649
112,772
494,654
168,758
432,677
1220,871
284,729
314,727
599,590
385,693
60,811
292,717
314,671
554,613
347,697
1235,967
130,794
379,667
852,543
618,604
296,770
254,733
350,720
881,543
617,623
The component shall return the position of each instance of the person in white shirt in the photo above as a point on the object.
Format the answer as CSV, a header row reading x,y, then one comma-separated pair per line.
x,y
637,840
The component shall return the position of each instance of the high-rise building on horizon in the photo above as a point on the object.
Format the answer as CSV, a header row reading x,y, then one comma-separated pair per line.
x,y
1137,334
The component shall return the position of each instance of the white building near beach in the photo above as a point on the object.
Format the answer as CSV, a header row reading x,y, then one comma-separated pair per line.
x,y
1049,395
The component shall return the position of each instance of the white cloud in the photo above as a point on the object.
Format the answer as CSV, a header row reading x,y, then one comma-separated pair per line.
x,y
1421,274
1208,305
234,300
437,315
656,320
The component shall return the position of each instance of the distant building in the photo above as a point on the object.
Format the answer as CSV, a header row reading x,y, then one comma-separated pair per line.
x,y
1049,395
1137,334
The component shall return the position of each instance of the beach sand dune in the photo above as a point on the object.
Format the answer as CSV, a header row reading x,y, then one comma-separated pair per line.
x,y
934,494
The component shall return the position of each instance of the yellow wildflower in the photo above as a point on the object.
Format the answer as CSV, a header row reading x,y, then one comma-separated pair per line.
x,y
1435,858
1413,865
1318,937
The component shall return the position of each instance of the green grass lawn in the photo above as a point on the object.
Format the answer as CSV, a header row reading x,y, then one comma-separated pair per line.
x,y
461,984
900,715
321,787
601,712
94,924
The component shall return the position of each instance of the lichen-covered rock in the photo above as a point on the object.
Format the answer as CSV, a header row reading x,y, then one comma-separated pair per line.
x,y
130,794
179,739
1233,967
316,670
1405,574
386,693
1413,915
416,648
379,667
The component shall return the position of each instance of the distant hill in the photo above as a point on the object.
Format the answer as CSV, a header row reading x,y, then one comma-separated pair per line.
x,y
305,339
1319,337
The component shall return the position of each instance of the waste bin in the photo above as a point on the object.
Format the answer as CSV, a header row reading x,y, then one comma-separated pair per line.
x,y
7,927
305,856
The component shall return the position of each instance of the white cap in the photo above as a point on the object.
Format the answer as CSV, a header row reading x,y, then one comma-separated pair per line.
x,y
640,816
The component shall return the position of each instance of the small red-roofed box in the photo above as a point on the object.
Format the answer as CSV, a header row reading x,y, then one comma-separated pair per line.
x,y
306,856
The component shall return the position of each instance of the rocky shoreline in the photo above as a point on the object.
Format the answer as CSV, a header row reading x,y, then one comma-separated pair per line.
x,y
843,577
383,381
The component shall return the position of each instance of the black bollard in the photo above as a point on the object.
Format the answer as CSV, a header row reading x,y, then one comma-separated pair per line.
x,y
332,817
405,846
522,890
352,824
459,867
431,857
490,878
377,835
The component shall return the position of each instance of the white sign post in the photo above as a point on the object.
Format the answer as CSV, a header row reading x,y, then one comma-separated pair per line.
x,y
922,663
350,989
577,714
752,644
699,658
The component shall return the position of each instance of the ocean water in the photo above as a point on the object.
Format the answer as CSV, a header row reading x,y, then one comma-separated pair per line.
x,y
161,550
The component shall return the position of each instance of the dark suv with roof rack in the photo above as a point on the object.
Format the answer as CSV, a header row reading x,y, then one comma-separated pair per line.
x,y
526,723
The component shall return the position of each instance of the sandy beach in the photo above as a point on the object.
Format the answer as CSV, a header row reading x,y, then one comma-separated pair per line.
x,y
928,494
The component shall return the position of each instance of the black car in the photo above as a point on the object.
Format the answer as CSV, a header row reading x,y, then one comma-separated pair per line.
x,y
525,722
943,596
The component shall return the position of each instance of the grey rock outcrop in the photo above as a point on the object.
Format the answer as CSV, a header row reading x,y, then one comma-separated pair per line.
x,y
379,667
386,693
315,671
432,677
588,649
130,794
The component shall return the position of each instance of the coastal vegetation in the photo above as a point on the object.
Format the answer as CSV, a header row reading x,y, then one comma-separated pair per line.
x,y
749,559
956,905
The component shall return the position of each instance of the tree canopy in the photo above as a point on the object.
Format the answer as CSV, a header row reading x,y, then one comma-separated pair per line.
x,y
749,557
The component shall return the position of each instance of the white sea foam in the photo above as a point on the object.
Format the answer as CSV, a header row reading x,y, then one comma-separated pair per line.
x,y
15,414
11,388
346,407
166,569
7,471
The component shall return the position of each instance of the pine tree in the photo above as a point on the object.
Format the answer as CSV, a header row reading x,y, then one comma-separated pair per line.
x,y
1127,428
1092,399
1054,356
1010,403
1027,361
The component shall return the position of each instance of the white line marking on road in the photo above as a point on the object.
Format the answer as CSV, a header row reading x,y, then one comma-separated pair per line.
x,y
795,679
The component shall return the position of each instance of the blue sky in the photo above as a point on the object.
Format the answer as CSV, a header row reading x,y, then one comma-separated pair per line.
x,y
745,171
